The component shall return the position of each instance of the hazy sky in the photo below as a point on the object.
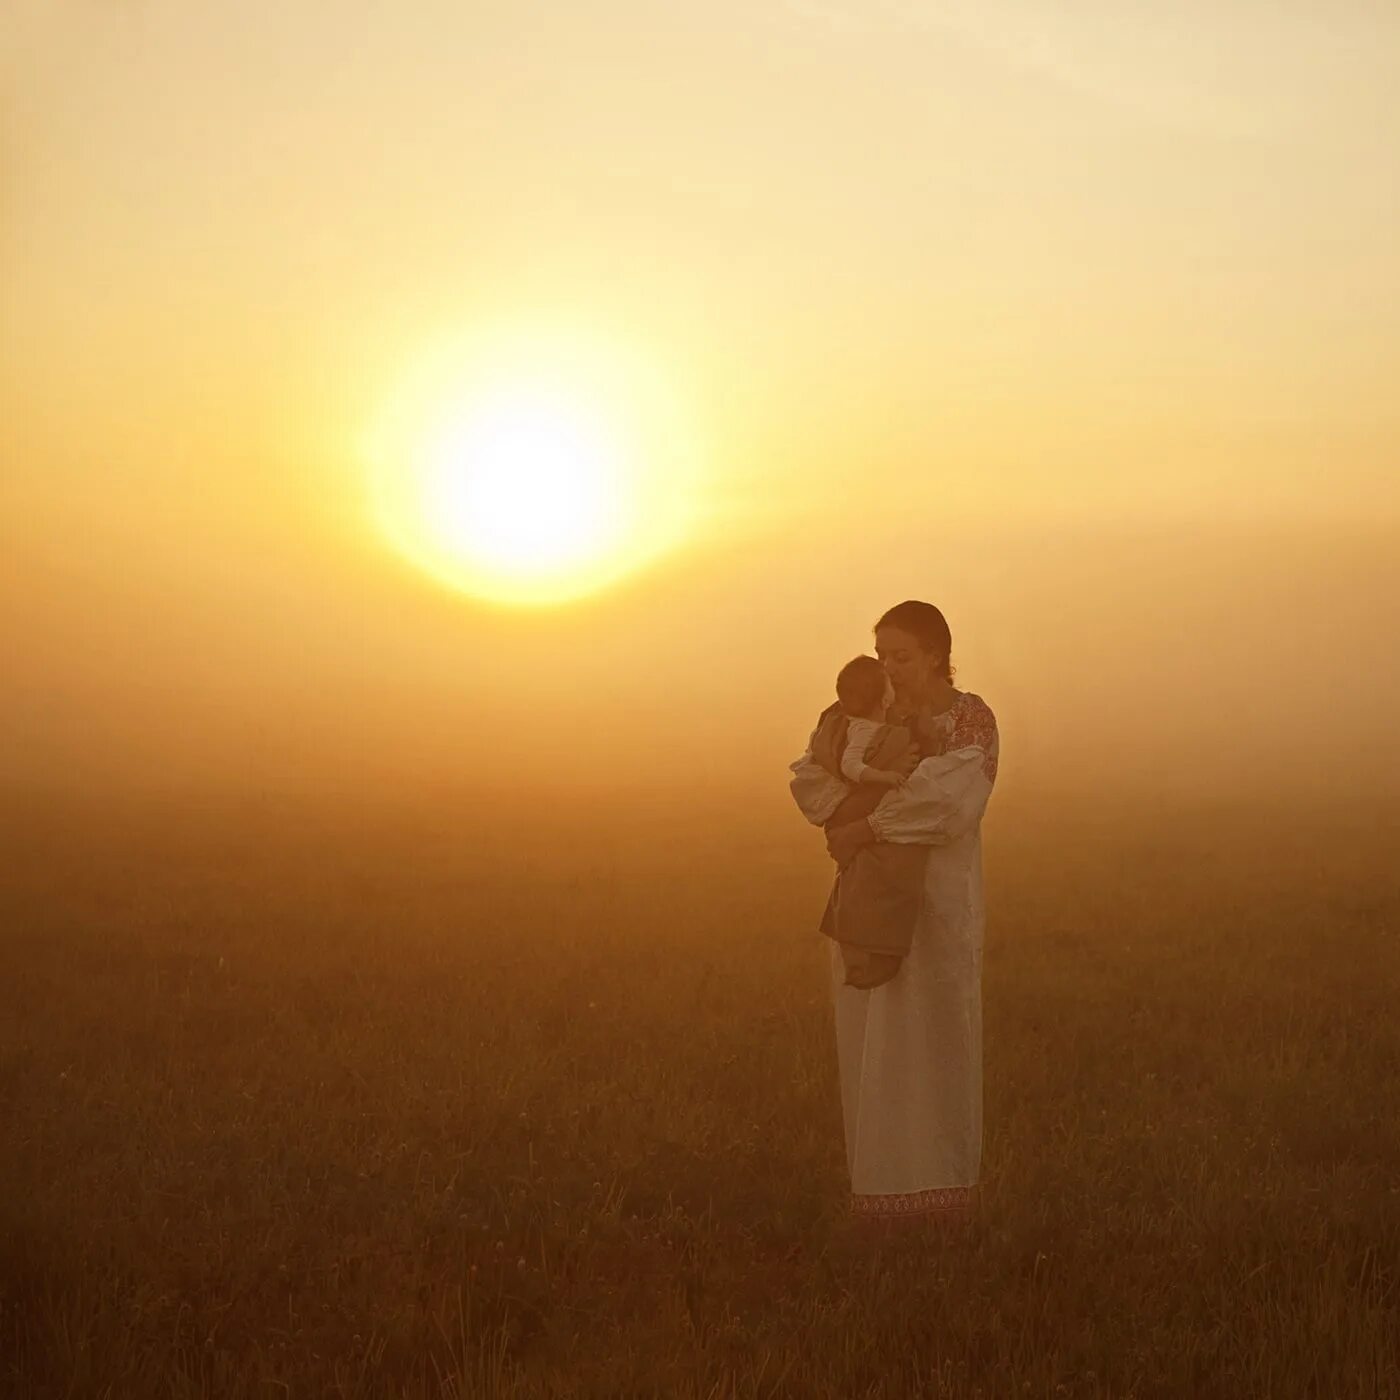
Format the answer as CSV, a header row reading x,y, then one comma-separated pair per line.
x,y
1082,321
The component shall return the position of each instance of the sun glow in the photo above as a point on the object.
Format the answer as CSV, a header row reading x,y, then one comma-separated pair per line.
x,y
523,482
532,470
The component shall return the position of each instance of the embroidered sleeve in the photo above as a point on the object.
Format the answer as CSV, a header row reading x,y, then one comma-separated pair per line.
x,y
975,727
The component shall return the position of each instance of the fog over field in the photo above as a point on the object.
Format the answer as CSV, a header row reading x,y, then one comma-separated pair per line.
x,y
447,453
1199,660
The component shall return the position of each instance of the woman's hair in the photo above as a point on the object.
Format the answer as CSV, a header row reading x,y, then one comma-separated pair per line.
x,y
859,685
927,624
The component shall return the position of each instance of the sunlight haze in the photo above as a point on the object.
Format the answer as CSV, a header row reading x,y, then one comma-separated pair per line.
x,y
1081,324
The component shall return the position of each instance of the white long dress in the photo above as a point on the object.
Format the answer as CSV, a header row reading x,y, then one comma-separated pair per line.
x,y
910,1049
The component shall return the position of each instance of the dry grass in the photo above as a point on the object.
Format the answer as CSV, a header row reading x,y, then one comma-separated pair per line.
x,y
300,1102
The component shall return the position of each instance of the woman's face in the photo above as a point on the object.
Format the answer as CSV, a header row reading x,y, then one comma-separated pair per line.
x,y
907,664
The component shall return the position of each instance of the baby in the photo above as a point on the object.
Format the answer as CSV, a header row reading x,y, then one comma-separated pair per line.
x,y
864,693
875,900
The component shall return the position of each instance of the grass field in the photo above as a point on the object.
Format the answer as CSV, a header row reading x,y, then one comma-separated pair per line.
x,y
308,1100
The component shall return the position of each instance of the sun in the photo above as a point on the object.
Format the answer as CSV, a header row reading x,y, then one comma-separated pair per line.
x,y
524,481
530,470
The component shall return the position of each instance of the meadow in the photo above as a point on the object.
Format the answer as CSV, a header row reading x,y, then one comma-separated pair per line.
x,y
305,1098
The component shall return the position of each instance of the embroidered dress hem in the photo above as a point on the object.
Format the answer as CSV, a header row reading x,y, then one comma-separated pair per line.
x,y
936,1199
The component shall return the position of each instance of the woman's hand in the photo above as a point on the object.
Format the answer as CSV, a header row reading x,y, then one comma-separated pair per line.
x,y
842,842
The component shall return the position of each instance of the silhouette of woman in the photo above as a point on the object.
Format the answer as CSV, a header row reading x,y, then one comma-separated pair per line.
x,y
910,1049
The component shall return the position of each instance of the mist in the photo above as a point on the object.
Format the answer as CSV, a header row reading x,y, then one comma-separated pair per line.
x,y
1184,660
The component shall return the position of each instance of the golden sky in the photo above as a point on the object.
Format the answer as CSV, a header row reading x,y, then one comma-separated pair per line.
x,y
1082,322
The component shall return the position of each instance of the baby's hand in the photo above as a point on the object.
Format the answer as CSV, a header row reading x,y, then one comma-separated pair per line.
x,y
884,777
897,776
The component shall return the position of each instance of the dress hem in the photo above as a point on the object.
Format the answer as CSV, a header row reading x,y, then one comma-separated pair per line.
x,y
931,1201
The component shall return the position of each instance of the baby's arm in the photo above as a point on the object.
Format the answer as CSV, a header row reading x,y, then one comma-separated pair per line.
x,y
854,766
903,759
853,762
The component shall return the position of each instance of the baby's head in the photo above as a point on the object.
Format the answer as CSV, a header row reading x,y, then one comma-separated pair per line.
x,y
862,687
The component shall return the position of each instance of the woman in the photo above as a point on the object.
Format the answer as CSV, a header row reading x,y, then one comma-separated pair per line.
x,y
910,1050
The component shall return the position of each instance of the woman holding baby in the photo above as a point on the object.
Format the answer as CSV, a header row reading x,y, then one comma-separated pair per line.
x,y
909,1038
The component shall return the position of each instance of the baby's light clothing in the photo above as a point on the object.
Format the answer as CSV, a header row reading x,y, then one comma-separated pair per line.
x,y
859,733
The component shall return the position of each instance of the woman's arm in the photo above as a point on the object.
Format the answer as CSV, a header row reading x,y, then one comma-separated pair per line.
x,y
945,796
